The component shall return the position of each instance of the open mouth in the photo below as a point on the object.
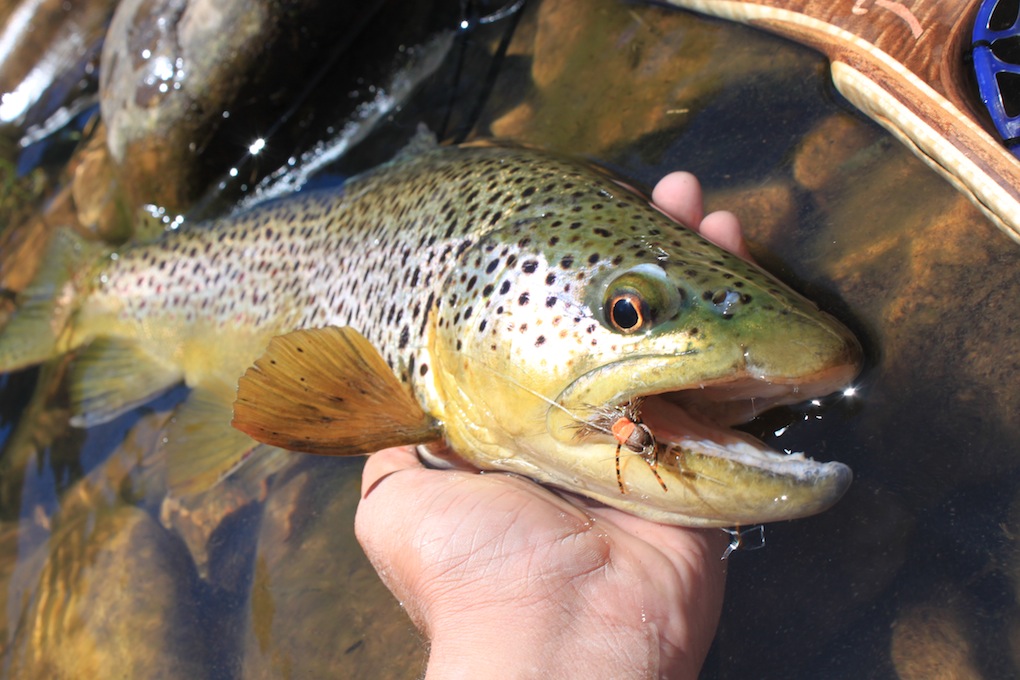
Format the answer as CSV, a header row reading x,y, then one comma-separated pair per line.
x,y
707,414
701,421
691,462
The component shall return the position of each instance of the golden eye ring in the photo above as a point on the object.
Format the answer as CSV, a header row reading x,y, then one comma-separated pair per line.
x,y
628,312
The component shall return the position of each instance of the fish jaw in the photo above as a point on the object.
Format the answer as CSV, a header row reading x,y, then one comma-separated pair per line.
x,y
722,486
713,476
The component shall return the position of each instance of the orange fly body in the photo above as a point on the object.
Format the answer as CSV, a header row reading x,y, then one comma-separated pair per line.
x,y
624,425
636,436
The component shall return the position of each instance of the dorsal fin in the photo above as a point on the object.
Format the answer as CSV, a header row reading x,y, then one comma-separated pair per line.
x,y
423,141
327,391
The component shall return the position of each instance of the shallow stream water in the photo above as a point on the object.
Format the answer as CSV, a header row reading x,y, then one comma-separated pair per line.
x,y
912,575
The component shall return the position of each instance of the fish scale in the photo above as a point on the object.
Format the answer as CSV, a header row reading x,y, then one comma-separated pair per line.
x,y
485,276
331,258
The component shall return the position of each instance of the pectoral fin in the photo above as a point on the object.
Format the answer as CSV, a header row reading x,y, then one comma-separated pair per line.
x,y
328,391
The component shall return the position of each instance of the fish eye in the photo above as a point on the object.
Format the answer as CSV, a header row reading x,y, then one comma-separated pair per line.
x,y
635,300
628,312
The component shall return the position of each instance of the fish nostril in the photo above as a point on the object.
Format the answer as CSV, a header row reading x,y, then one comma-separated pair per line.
x,y
724,300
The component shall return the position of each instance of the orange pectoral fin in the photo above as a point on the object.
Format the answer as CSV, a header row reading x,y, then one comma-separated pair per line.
x,y
328,391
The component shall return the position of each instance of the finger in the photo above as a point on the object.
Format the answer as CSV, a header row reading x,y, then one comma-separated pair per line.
x,y
439,456
678,194
384,463
723,229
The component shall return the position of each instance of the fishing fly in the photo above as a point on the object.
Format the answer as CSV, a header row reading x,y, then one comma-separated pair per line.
x,y
624,424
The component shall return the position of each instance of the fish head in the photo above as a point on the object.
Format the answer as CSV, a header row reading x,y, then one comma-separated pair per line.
x,y
600,308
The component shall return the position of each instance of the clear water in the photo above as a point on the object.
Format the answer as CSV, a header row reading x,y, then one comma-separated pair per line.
x,y
917,565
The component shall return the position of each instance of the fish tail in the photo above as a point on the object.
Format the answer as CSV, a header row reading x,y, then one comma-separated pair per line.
x,y
39,328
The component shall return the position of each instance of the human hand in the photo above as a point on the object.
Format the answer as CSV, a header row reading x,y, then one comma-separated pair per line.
x,y
509,579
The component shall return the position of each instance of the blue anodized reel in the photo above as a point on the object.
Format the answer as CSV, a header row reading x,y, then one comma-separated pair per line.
x,y
996,56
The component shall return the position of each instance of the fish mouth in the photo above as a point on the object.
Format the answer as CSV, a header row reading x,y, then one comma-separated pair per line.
x,y
702,472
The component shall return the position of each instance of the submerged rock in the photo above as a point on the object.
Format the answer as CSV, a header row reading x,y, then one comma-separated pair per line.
x,y
51,48
115,594
175,71
665,67
930,642
317,608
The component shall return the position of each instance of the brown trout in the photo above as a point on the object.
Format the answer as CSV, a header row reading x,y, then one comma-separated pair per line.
x,y
516,305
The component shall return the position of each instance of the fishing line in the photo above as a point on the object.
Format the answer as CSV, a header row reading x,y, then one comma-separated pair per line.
x,y
512,11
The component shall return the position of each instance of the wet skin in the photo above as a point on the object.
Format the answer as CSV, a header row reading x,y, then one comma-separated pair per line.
x,y
509,579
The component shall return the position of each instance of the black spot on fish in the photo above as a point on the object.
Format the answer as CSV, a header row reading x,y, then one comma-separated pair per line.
x,y
523,299
487,291
529,266
503,289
